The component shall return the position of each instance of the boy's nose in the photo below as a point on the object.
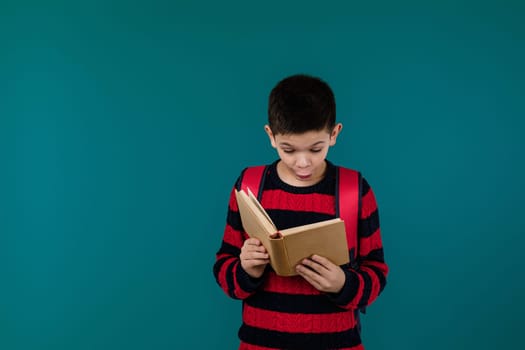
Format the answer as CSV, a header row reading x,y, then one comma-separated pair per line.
x,y
302,162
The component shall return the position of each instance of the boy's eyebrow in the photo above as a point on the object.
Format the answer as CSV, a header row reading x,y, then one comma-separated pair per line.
x,y
288,145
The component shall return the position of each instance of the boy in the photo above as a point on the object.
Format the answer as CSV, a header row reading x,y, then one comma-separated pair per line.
x,y
318,308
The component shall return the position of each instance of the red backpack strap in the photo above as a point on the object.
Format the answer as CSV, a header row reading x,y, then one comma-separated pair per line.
x,y
253,178
347,205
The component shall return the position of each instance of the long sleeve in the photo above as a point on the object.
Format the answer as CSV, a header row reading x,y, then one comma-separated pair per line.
x,y
367,279
229,274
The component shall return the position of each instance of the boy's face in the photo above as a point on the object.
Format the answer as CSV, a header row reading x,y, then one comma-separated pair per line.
x,y
303,155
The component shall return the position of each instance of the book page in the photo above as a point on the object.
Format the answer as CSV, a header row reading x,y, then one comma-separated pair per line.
x,y
315,225
261,209
254,220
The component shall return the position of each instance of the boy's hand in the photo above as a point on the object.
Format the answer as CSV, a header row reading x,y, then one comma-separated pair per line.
x,y
321,273
254,257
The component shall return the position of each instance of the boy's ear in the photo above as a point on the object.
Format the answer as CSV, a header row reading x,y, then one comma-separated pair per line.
x,y
270,135
335,132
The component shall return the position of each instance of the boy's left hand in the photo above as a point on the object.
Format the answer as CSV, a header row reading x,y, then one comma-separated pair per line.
x,y
321,273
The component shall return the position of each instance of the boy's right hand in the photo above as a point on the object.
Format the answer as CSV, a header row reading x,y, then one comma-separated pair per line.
x,y
254,257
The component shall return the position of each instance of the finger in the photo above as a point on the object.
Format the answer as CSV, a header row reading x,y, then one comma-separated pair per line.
x,y
321,260
309,275
255,247
260,249
255,262
314,265
253,254
252,241
256,255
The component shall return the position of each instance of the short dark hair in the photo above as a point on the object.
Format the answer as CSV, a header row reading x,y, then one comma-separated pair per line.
x,y
301,103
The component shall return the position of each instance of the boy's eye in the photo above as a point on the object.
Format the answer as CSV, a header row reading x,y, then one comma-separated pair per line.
x,y
291,150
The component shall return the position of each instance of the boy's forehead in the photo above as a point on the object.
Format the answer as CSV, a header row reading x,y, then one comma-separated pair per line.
x,y
304,139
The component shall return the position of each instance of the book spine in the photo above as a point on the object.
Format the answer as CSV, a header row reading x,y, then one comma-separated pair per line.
x,y
279,258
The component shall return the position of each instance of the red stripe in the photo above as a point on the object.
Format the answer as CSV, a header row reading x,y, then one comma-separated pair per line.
x,y
246,346
220,256
354,302
241,294
358,347
375,283
380,265
368,204
288,285
222,273
367,244
298,323
313,202
233,201
233,237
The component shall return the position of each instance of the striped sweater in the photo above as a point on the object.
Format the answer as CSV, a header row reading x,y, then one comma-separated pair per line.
x,y
287,312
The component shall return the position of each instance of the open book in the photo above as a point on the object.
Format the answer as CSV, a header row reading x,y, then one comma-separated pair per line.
x,y
289,247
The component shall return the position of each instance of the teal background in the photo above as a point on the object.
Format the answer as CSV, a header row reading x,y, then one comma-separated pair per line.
x,y
123,126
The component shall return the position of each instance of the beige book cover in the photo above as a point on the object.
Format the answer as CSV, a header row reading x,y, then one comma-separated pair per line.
x,y
289,247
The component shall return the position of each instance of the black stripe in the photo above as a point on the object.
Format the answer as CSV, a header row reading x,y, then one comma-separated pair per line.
x,y
353,258
227,248
299,341
284,219
238,182
375,255
326,186
233,218
367,288
365,187
230,281
217,267
261,184
290,303
369,225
